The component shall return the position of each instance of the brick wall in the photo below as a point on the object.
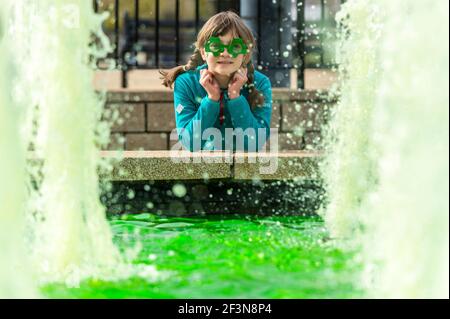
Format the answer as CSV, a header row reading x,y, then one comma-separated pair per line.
x,y
147,118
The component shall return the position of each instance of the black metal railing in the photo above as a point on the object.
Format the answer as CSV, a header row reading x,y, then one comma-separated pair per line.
x,y
286,39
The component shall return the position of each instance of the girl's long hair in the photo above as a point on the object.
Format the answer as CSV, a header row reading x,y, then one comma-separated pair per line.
x,y
219,25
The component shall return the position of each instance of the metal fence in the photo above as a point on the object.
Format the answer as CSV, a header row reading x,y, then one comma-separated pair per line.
x,y
290,34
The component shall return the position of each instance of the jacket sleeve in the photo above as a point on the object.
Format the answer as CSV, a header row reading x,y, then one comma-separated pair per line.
x,y
257,120
189,119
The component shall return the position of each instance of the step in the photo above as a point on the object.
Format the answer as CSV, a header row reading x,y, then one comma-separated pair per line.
x,y
205,165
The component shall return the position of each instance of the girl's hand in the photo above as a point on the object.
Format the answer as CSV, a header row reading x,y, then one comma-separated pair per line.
x,y
237,82
209,82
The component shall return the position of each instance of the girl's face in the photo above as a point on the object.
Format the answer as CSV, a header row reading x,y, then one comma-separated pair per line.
x,y
224,63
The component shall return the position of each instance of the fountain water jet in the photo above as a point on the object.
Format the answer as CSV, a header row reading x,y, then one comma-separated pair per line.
x,y
15,280
387,171
53,46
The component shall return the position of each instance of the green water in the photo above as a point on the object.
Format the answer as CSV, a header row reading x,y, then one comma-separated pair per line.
x,y
226,257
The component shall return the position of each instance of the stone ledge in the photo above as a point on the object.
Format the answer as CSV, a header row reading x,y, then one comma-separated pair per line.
x,y
290,165
168,165
185,165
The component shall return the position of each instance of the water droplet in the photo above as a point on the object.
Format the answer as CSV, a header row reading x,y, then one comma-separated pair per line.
x,y
179,190
150,205
130,194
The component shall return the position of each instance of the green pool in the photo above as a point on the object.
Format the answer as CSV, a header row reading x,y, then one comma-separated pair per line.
x,y
232,256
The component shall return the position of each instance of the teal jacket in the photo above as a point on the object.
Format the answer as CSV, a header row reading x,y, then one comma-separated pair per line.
x,y
197,116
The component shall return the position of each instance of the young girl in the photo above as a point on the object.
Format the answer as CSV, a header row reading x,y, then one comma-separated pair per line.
x,y
223,103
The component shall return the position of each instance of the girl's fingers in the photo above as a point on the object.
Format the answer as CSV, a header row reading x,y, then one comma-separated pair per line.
x,y
242,72
239,77
208,75
204,73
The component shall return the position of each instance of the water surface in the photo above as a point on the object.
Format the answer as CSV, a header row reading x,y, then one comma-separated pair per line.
x,y
233,256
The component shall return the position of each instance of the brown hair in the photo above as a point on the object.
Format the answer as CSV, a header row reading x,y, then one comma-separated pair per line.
x,y
219,25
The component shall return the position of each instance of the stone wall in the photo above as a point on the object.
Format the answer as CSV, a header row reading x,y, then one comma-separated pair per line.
x,y
147,118
221,197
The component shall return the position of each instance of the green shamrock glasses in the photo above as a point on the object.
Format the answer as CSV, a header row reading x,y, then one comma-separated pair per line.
x,y
236,47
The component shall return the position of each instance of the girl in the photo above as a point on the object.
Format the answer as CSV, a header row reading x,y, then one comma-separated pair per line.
x,y
224,98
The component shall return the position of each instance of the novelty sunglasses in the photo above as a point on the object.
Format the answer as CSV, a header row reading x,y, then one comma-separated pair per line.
x,y
236,47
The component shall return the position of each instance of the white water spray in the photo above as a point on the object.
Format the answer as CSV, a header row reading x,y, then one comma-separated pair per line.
x,y
71,237
48,103
15,279
387,175
349,169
